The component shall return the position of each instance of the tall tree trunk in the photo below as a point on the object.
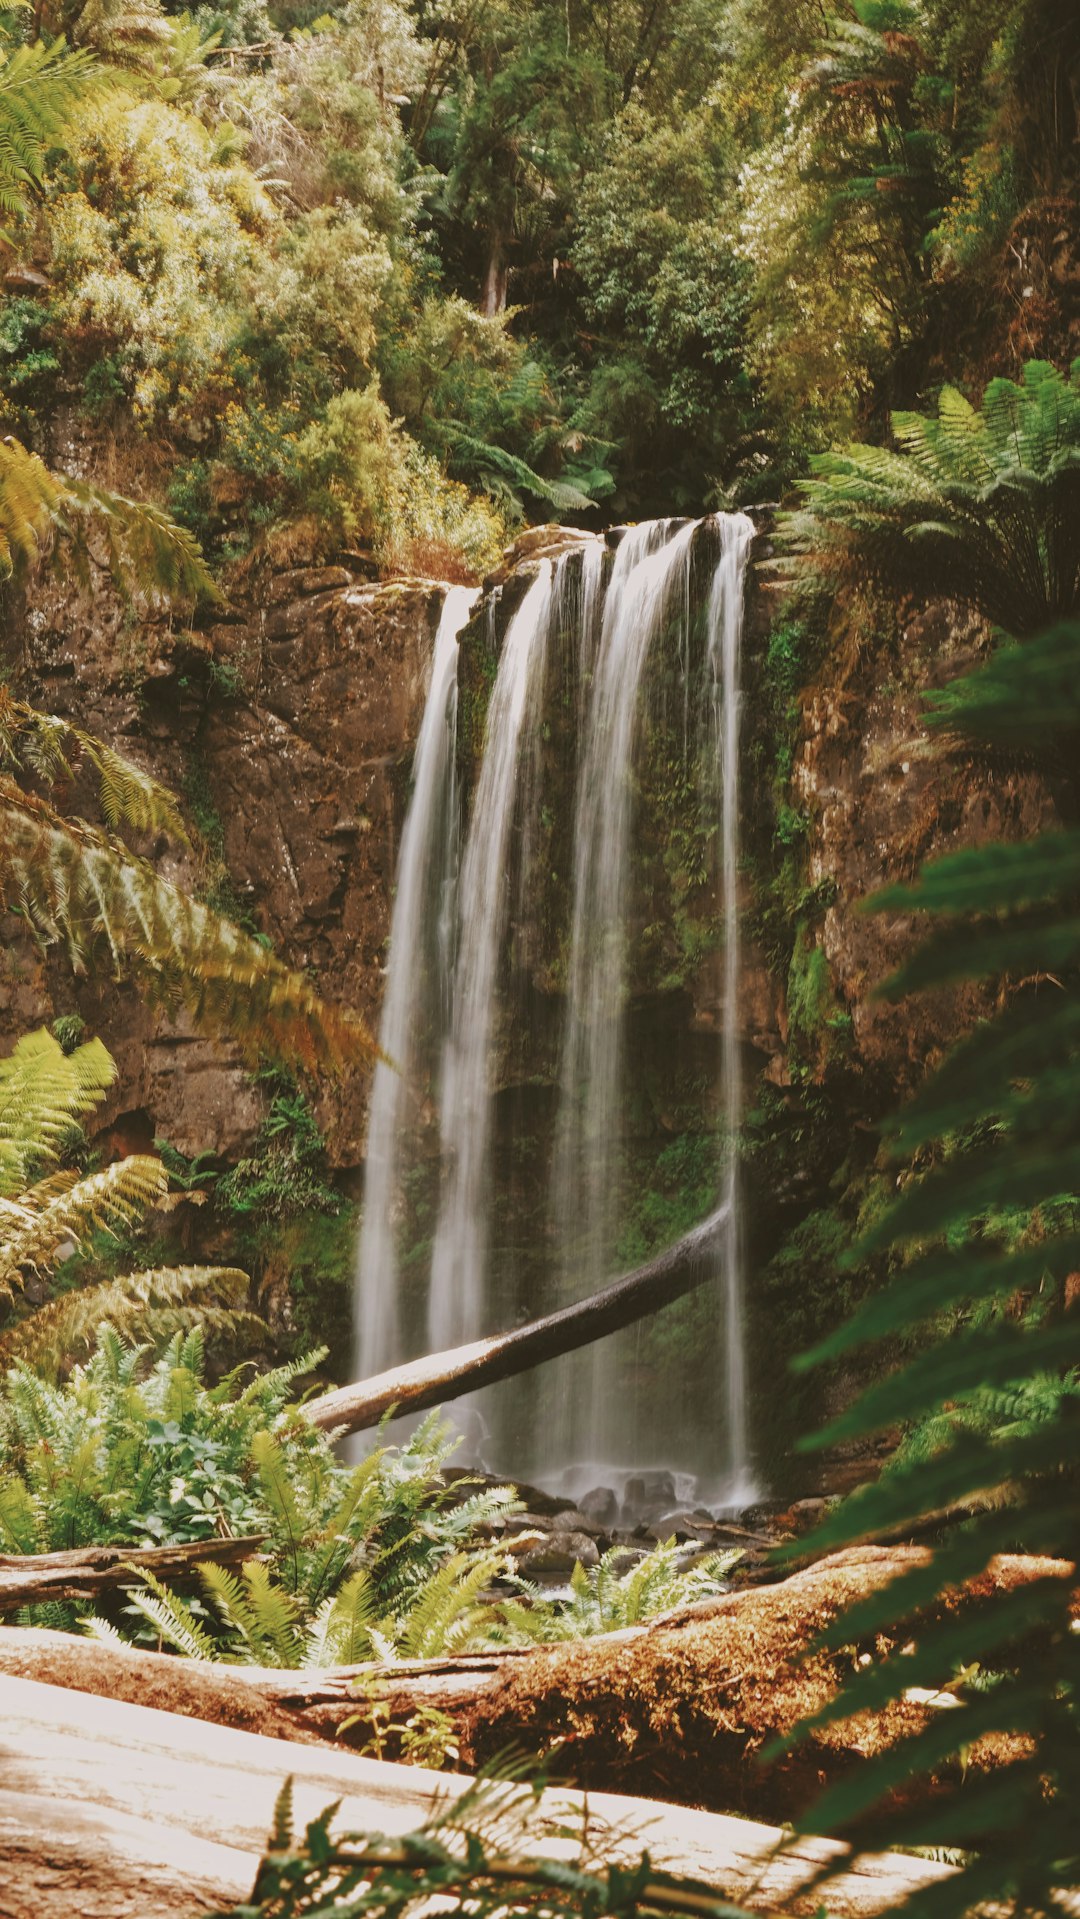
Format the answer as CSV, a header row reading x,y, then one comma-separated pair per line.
x,y
493,290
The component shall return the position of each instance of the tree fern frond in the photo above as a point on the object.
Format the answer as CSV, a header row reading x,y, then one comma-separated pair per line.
x,y
115,1198
994,1408
79,888
989,498
146,1305
43,1092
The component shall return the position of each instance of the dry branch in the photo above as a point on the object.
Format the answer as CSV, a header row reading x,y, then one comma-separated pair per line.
x,y
26,1579
689,1263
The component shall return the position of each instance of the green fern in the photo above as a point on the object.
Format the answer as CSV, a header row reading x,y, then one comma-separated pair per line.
x,y
981,504
995,1408
43,89
43,1093
79,889
607,1599
172,1618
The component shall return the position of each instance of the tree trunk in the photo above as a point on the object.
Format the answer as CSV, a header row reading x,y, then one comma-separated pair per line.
x,y
27,1579
493,290
430,1381
112,1811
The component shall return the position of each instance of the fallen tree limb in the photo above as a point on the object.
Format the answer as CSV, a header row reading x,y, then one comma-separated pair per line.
x,y
113,1810
28,1578
677,1709
430,1381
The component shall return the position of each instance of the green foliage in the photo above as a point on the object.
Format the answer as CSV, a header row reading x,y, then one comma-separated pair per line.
x,y
607,1599
287,1172
986,1230
980,504
480,1853
45,1216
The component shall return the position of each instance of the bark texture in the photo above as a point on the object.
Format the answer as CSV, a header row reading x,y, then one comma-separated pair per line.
x,y
677,1710
439,1377
114,1811
28,1578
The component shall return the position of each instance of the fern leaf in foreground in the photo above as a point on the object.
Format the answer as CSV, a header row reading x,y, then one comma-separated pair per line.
x,y
990,1233
480,1854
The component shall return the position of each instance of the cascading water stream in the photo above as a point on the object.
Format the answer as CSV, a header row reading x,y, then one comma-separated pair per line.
x,y
648,562
425,877
721,763
456,1301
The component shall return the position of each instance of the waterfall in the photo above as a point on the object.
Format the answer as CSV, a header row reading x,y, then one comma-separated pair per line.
x,y
650,584
458,1271
648,561
425,879
608,659
721,761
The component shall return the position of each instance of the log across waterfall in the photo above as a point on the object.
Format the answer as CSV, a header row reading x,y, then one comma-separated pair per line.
x,y
441,1377
503,1172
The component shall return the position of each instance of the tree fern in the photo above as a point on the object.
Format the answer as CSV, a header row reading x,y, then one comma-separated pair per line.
x,y
995,1405
140,546
43,1092
43,88
977,504
54,750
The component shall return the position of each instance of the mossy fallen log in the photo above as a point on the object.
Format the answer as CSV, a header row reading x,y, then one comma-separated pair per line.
x,y
28,1579
115,1810
678,1709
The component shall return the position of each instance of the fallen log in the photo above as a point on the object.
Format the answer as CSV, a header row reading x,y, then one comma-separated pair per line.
x,y
438,1377
678,1709
26,1579
113,1810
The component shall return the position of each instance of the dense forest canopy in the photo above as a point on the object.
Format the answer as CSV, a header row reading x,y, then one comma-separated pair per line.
x,y
409,273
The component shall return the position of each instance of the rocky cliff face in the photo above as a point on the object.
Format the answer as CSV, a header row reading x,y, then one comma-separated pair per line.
x,y
288,728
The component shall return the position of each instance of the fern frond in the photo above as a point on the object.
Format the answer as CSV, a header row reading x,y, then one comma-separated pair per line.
x,y
172,1618
78,888
43,88
280,1496
255,1611
43,1092
995,1406
445,1617
340,1634
147,1305
108,1201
